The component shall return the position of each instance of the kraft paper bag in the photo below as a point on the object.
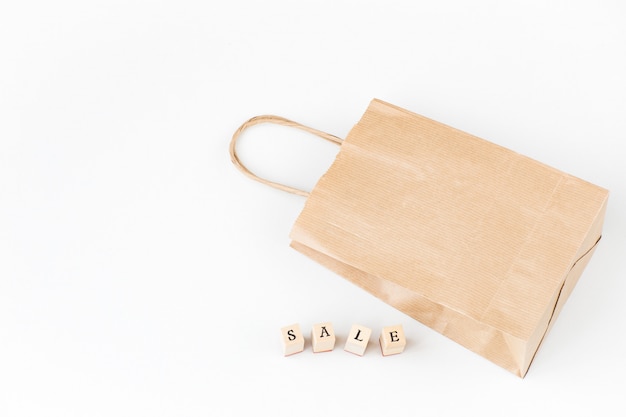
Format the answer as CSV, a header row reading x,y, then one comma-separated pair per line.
x,y
477,242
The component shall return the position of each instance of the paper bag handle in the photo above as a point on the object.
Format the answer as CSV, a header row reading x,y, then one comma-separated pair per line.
x,y
280,121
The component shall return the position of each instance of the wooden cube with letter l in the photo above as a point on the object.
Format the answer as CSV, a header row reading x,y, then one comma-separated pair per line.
x,y
358,338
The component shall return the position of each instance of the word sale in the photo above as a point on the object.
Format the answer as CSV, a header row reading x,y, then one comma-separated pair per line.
x,y
391,340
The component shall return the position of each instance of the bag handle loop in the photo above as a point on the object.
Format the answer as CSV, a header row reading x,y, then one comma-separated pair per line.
x,y
280,121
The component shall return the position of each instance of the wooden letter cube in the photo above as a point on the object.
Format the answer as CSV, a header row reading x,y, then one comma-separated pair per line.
x,y
392,340
323,337
357,339
293,341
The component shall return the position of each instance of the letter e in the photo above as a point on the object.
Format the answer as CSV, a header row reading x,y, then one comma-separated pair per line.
x,y
394,336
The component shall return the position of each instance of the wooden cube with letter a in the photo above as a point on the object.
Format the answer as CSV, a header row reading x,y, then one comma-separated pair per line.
x,y
392,340
323,337
292,339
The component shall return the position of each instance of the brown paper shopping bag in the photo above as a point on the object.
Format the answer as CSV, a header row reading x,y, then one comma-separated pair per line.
x,y
480,243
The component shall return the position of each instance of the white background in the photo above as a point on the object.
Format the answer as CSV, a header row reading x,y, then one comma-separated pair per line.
x,y
142,275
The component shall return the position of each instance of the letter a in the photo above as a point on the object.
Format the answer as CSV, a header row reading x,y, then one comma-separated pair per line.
x,y
324,332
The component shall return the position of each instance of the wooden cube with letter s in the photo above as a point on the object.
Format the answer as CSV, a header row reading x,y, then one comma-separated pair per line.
x,y
292,339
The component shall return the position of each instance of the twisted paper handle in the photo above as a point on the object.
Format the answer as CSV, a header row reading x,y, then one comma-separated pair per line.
x,y
280,121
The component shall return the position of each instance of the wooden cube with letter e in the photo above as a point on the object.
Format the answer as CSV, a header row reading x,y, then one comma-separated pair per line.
x,y
392,340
